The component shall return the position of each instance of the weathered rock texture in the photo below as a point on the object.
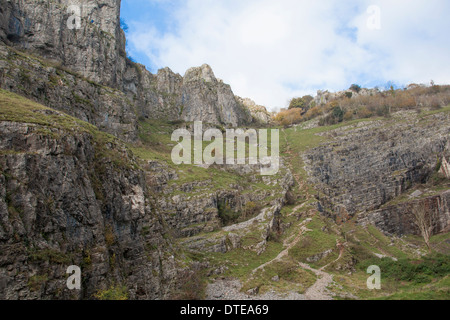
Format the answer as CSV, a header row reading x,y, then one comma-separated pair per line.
x,y
198,96
368,164
68,198
323,97
445,168
259,113
96,49
208,99
59,88
65,200
95,54
399,219
193,208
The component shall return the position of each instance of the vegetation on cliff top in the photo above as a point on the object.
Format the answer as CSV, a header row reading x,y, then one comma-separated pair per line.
x,y
348,106
15,108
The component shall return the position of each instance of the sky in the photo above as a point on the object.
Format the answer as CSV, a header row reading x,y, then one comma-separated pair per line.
x,y
271,51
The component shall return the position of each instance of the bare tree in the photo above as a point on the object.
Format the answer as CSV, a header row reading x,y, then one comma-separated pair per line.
x,y
424,220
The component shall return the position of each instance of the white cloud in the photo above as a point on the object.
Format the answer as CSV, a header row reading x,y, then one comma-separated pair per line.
x,y
271,50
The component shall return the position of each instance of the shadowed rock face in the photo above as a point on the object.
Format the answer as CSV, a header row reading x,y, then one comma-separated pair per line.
x,y
62,204
399,220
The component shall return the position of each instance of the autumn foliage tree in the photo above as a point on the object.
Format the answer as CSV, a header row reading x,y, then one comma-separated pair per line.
x,y
289,117
374,104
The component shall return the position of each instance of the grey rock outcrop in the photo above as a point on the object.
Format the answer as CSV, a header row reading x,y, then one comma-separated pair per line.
x,y
208,99
198,96
259,113
445,168
324,96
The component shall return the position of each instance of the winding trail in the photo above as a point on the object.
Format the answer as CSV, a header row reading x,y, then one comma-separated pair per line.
x,y
285,252
319,290
341,253
230,289
243,225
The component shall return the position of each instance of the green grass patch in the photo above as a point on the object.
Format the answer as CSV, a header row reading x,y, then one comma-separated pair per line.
x,y
242,262
114,293
282,276
314,242
50,255
15,108
36,282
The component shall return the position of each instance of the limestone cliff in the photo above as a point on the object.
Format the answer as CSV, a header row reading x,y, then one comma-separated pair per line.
x,y
366,165
94,51
71,195
198,96
399,219
95,48
259,113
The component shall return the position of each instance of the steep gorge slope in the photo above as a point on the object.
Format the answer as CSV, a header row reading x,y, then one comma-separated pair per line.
x,y
75,195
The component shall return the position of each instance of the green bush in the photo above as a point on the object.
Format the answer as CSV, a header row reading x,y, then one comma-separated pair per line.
x,y
192,286
301,103
251,208
226,214
336,116
423,271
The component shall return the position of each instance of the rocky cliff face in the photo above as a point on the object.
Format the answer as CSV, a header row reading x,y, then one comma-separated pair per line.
x,y
259,113
71,195
369,164
60,88
95,50
204,97
399,219
198,96
324,97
